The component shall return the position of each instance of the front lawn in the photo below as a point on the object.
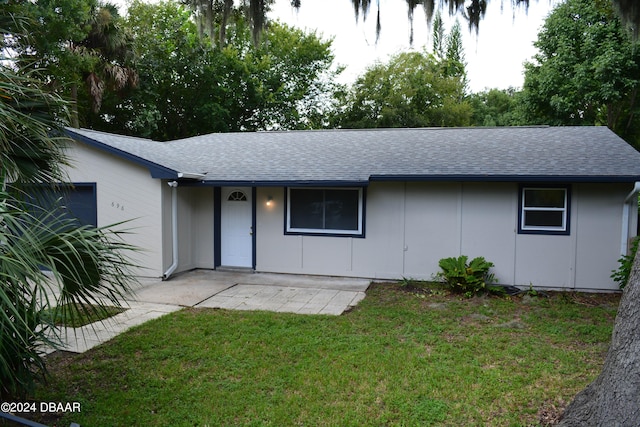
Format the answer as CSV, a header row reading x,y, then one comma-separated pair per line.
x,y
402,357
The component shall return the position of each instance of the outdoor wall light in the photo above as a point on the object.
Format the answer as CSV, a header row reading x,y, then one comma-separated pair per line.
x,y
269,200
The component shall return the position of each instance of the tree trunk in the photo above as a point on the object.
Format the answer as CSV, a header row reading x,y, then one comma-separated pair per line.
x,y
613,398
75,122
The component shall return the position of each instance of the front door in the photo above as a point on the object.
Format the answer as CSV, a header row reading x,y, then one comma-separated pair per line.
x,y
236,227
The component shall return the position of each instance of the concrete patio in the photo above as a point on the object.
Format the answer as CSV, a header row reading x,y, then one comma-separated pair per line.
x,y
233,290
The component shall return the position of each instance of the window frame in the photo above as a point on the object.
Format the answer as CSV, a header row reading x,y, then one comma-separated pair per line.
x,y
359,232
564,230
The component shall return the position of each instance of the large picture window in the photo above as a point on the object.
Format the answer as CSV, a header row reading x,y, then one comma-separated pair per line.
x,y
544,210
336,211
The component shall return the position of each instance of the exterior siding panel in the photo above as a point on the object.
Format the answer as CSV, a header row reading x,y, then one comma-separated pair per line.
x,y
488,225
195,227
380,253
599,225
140,204
432,230
202,230
411,226
275,252
545,261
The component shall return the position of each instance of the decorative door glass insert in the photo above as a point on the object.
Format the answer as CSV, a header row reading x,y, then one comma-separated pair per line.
x,y
237,196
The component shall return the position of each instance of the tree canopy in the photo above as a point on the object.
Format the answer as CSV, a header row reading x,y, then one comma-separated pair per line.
x,y
587,71
189,86
412,89
74,44
495,107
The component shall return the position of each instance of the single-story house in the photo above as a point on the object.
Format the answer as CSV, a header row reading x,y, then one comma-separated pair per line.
x,y
551,207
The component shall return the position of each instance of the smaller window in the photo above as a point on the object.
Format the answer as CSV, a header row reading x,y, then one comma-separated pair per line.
x,y
544,210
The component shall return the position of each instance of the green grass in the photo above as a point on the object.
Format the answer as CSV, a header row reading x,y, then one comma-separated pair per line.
x,y
402,357
78,315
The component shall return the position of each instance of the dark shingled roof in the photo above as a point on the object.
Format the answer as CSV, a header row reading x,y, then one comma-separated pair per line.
x,y
349,157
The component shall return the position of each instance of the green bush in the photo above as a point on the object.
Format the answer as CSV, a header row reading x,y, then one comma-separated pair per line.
x,y
468,278
621,275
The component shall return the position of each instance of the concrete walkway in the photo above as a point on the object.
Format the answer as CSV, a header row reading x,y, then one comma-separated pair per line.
x,y
223,289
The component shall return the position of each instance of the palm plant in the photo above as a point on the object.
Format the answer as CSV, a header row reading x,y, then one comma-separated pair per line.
x,y
85,47
106,52
46,261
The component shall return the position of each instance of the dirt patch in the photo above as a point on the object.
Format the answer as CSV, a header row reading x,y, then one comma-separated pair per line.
x,y
61,359
591,300
550,412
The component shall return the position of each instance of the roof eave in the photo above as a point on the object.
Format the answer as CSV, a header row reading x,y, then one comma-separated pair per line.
x,y
157,171
281,183
510,178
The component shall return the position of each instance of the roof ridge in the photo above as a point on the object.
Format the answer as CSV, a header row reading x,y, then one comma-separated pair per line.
x,y
434,128
387,129
334,130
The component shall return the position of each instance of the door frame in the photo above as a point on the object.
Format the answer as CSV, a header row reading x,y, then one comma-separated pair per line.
x,y
217,226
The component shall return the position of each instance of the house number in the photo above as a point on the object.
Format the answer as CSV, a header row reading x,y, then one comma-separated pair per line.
x,y
117,206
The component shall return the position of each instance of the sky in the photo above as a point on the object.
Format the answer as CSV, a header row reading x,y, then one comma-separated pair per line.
x,y
494,58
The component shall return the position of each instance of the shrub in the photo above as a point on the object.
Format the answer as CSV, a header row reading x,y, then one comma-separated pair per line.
x,y
621,275
468,278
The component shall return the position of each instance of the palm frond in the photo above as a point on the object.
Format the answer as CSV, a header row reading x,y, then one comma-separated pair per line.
x,y
28,151
46,260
